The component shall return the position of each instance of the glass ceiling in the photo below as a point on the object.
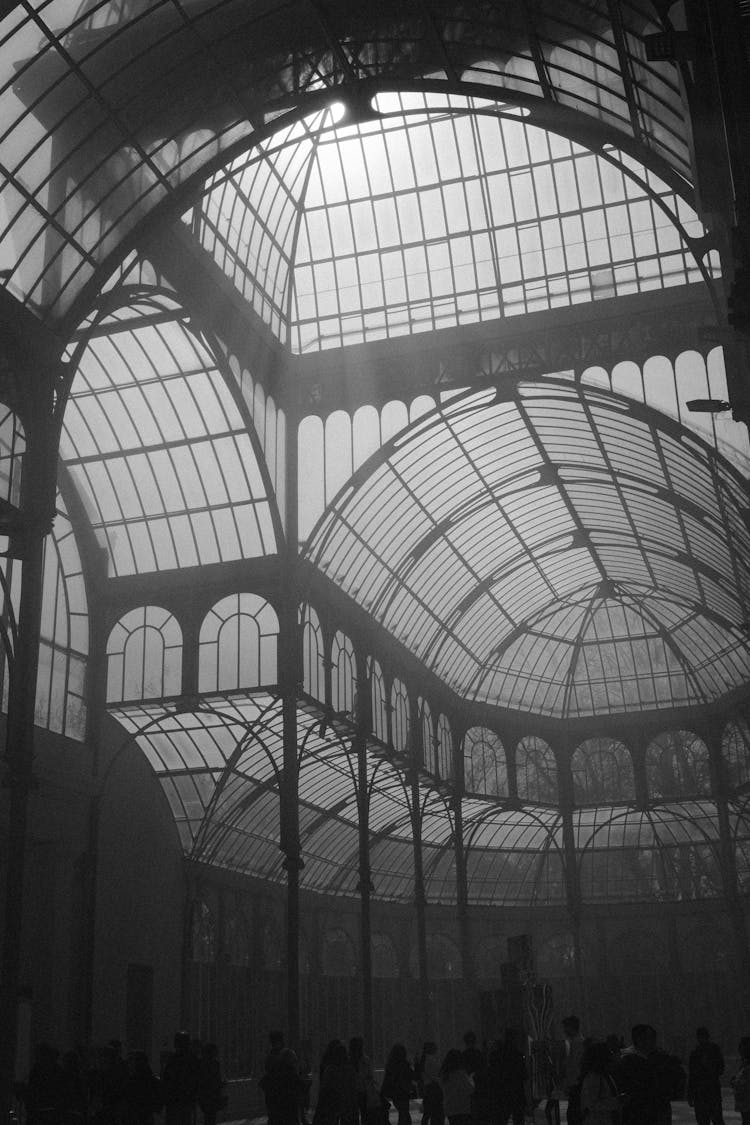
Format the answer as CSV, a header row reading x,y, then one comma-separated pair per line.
x,y
220,767
110,107
560,552
165,460
436,213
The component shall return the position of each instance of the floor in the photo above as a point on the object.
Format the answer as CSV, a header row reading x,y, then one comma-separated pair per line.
x,y
682,1114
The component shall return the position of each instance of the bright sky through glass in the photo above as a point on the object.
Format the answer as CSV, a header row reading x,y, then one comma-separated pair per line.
x,y
420,220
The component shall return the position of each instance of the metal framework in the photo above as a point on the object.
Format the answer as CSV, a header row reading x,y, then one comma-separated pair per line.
x,y
379,617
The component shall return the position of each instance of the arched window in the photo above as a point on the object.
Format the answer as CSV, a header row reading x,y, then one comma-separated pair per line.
x,y
339,959
144,656
304,960
400,718
428,741
236,939
12,449
602,772
313,668
445,748
203,933
238,642
536,771
485,770
677,766
705,946
646,952
491,953
443,959
555,956
343,674
63,643
384,959
271,959
735,750
377,690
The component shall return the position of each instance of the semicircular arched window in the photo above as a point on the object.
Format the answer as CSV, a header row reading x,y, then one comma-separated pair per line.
x,y
536,771
202,933
555,956
343,674
236,939
428,738
400,717
377,696
444,748
602,770
735,751
677,765
443,959
339,958
12,449
270,944
384,957
238,644
144,655
647,953
491,953
313,654
485,770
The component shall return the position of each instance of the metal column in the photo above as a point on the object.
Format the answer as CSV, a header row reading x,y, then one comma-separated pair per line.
x,y
363,722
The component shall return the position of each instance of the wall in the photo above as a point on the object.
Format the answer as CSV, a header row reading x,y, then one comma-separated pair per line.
x,y
140,896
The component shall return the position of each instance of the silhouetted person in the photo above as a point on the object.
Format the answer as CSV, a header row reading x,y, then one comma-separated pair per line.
x,y
600,1100
705,1068
270,1080
432,1092
741,1081
367,1095
73,1090
143,1096
397,1082
472,1055
648,1079
282,1088
179,1082
511,1089
337,1097
458,1088
43,1089
210,1084
574,1047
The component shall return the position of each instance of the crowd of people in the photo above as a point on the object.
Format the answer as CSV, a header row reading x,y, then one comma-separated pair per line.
x,y
123,1090
595,1082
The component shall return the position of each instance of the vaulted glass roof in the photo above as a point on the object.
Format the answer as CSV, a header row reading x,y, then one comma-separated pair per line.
x,y
556,551
161,452
360,172
440,210
220,768
110,107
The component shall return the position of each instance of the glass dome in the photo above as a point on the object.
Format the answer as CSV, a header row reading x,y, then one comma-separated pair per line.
x,y
555,551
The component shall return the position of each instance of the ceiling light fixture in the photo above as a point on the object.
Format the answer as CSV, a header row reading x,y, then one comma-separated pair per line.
x,y
707,405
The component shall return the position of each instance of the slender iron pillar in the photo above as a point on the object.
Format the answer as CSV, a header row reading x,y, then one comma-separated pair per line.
x,y
363,721
462,896
290,675
572,879
728,868
420,903
37,513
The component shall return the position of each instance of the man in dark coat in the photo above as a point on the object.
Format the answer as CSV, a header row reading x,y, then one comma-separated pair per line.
x,y
705,1068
